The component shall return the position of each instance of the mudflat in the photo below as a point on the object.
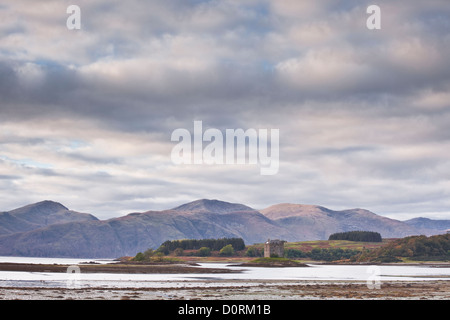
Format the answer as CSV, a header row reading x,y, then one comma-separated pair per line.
x,y
244,290
216,289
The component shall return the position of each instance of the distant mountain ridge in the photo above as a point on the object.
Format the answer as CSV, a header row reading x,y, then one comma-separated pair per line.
x,y
50,229
217,206
428,224
38,215
316,222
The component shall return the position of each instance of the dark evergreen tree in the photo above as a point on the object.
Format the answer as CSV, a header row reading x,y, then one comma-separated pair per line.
x,y
363,236
195,244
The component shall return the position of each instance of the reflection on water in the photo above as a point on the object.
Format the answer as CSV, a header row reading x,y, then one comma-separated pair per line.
x,y
248,276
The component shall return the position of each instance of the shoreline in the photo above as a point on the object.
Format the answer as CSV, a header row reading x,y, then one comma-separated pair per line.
x,y
115,268
406,264
180,267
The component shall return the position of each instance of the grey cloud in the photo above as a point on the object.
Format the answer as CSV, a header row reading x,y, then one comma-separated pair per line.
x,y
9,177
345,99
232,76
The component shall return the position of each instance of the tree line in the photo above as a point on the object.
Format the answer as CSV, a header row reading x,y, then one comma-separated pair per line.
x,y
195,244
414,247
363,236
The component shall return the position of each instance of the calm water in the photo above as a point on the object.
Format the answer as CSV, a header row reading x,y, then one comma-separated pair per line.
x,y
314,272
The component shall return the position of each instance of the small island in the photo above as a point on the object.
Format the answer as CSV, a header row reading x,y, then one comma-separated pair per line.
x,y
273,262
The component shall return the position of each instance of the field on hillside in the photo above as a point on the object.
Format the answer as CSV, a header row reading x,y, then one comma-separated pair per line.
x,y
327,244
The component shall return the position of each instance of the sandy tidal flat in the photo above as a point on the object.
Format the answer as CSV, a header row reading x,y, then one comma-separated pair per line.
x,y
243,290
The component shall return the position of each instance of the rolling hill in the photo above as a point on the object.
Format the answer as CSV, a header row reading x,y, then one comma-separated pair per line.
x,y
429,226
49,229
38,215
316,222
138,231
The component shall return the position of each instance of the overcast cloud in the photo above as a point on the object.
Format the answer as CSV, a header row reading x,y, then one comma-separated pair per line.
x,y
86,115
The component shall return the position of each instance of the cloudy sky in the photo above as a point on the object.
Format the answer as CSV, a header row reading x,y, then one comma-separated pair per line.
x,y
86,115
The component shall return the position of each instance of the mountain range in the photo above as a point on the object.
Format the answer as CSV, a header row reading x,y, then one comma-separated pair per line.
x,y
49,229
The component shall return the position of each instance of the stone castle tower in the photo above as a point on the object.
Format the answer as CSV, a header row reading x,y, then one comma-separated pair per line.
x,y
274,248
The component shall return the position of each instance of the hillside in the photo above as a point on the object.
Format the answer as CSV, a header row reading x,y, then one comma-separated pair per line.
x,y
216,206
50,229
38,215
316,222
429,226
417,248
138,231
